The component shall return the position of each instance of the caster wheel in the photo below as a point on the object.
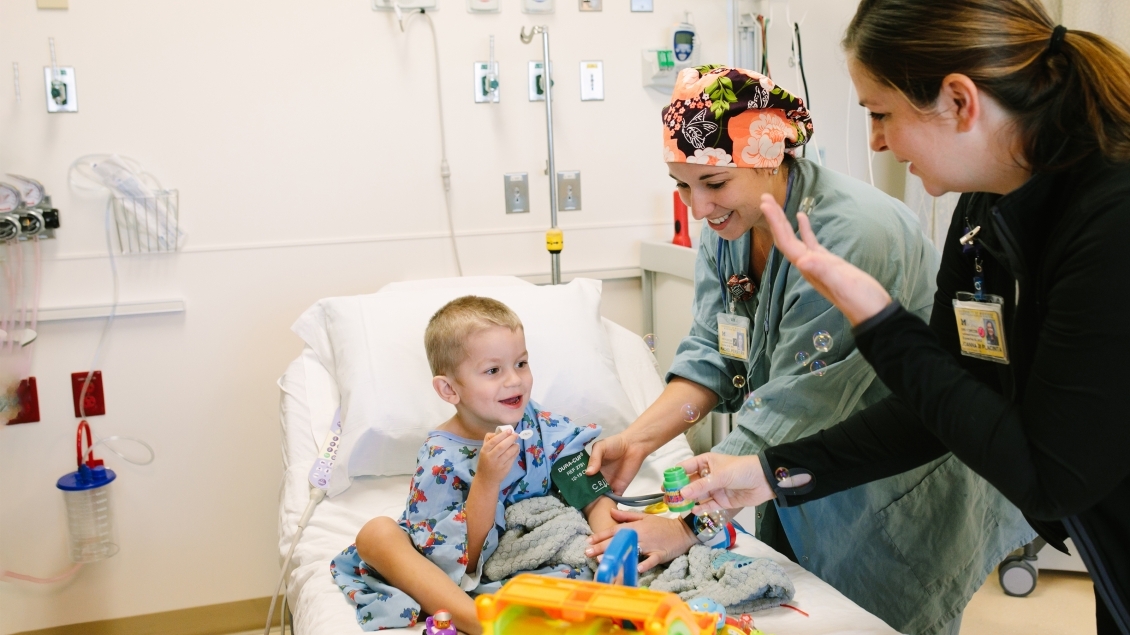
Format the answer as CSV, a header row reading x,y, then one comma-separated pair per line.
x,y
1017,577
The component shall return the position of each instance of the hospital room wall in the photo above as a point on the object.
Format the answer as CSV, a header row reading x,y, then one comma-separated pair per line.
x,y
303,140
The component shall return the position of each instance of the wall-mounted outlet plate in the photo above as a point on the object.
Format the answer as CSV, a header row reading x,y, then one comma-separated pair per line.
x,y
62,89
537,84
569,191
517,192
28,397
93,400
483,79
592,81
643,6
387,5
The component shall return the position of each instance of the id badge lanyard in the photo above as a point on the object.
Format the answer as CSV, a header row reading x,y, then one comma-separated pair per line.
x,y
733,329
979,315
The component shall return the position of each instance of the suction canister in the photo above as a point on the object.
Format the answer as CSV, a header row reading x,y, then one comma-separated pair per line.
x,y
86,492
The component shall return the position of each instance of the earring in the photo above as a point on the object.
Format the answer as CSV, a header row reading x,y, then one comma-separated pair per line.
x,y
777,170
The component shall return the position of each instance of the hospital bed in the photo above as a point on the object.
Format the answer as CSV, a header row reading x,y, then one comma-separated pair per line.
x,y
311,395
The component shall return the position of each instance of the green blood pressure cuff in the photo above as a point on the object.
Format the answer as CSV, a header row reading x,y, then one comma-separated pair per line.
x,y
577,488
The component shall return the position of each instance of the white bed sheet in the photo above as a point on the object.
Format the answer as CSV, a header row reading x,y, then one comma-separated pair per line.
x,y
309,398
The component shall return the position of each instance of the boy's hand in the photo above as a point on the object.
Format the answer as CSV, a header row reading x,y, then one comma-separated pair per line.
x,y
497,457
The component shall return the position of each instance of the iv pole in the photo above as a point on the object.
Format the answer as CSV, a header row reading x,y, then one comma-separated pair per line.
x,y
554,238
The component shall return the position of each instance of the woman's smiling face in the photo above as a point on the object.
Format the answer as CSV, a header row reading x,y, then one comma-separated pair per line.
x,y
727,198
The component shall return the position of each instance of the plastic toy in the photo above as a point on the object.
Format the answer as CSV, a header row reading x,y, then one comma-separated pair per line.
x,y
674,480
707,605
536,604
440,624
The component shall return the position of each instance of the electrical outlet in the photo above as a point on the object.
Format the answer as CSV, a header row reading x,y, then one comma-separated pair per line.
x,y
517,192
568,191
592,81
94,402
28,396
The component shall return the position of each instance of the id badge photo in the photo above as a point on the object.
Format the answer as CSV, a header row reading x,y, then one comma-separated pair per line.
x,y
980,327
733,336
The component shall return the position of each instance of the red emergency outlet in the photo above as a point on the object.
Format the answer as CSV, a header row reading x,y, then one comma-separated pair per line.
x,y
93,401
29,402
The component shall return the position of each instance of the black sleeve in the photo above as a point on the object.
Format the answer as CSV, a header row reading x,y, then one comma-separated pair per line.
x,y
1062,448
886,438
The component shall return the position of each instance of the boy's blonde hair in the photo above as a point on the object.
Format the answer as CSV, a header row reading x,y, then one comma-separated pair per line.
x,y
457,320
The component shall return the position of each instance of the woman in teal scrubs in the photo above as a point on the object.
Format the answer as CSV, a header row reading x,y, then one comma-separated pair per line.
x,y
766,345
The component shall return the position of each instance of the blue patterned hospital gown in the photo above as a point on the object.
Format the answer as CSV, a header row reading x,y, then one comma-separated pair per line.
x,y
437,523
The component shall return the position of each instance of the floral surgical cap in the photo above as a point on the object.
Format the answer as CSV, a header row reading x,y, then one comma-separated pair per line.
x,y
732,117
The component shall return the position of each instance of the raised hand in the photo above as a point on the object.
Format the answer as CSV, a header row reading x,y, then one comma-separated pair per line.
x,y
854,292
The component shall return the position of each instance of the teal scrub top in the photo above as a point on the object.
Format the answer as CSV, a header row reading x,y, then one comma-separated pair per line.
x,y
912,548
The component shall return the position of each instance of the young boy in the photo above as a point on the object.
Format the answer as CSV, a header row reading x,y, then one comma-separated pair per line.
x,y
466,474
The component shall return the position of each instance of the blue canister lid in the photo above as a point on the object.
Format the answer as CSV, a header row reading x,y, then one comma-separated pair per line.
x,y
86,478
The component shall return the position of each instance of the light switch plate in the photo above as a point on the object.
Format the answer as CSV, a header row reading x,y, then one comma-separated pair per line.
x,y
569,191
590,5
62,92
643,6
517,188
592,81
482,91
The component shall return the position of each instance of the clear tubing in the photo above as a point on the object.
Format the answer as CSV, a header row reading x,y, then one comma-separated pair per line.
x,y
12,575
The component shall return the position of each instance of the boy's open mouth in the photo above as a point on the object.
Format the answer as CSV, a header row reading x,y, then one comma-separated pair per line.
x,y
513,401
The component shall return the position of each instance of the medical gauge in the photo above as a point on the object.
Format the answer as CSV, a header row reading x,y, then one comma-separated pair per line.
x,y
483,6
683,42
537,6
10,199
31,191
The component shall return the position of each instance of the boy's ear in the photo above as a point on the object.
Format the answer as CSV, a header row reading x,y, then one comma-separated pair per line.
x,y
445,389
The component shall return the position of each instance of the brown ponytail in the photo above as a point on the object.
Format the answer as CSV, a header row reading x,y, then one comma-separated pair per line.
x,y
1068,100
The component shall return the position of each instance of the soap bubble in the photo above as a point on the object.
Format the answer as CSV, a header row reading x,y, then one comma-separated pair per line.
x,y
710,524
753,402
649,339
690,413
739,381
819,367
822,340
802,358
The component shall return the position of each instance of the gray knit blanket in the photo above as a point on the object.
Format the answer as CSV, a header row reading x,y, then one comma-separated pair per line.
x,y
540,532
544,532
740,583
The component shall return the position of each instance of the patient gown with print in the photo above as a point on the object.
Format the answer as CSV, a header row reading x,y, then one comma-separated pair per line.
x,y
436,522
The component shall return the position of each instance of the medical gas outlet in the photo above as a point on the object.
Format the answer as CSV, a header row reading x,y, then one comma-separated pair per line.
x,y
537,81
486,83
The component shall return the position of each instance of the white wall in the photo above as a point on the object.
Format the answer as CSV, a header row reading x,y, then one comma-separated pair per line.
x,y
303,139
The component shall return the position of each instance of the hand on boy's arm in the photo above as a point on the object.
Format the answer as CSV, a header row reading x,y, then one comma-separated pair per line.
x,y
660,539
496,457
599,514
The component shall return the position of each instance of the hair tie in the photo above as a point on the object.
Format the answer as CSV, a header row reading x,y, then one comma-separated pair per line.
x,y
1058,34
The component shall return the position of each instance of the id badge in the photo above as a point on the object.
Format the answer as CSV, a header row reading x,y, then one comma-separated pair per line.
x,y
980,327
733,336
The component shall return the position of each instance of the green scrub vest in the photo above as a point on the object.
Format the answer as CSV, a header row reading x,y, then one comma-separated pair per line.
x,y
913,548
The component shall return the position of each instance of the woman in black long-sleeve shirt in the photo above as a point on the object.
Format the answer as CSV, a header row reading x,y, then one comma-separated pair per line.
x,y
988,96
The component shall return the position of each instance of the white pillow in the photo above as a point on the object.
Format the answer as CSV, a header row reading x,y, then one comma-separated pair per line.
x,y
373,345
